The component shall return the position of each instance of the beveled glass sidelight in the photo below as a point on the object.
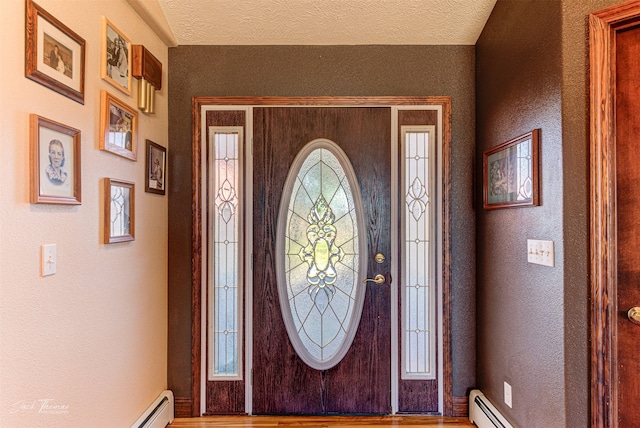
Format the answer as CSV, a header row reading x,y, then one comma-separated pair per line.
x,y
225,251
320,245
418,286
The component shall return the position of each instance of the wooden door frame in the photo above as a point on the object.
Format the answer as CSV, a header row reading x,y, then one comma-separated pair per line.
x,y
196,221
603,26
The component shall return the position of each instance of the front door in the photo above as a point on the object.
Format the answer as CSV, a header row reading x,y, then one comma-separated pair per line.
x,y
361,381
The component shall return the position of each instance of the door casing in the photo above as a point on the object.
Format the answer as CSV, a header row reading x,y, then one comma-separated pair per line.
x,y
199,104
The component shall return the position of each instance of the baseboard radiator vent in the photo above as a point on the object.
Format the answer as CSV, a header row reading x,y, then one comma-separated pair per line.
x,y
159,414
483,414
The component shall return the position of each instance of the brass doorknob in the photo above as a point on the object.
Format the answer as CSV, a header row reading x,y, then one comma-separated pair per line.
x,y
379,279
634,315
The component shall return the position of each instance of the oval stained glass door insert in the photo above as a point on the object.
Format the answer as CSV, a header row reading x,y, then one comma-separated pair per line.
x,y
320,245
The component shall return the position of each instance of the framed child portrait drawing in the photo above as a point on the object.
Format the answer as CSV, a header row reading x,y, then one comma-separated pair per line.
x,y
55,162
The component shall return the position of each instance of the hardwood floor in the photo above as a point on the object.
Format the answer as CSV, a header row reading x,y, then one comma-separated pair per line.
x,y
320,421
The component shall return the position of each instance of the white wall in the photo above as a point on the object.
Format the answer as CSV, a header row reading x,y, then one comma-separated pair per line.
x,y
92,338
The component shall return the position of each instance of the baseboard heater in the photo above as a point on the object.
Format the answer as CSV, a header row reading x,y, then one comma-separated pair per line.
x,y
483,414
159,414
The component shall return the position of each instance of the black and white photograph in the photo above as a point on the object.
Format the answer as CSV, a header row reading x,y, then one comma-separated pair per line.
x,y
156,167
58,56
118,127
115,57
54,54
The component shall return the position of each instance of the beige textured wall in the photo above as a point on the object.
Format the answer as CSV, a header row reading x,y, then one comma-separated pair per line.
x,y
91,338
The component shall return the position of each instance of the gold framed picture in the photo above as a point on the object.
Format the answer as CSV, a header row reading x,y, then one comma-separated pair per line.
x,y
119,210
55,162
54,54
118,127
115,57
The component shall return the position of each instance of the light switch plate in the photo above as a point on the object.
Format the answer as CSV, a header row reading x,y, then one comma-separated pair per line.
x,y
49,261
540,252
508,398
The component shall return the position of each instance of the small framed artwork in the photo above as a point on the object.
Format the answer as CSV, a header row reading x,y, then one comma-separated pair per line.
x,y
54,54
115,57
119,210
156,166
118,127
511,176
55,162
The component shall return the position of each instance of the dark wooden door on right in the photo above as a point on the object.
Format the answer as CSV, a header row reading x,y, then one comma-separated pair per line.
x,y
628,225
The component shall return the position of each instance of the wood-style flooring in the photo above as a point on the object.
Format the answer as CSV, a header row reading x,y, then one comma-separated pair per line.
x,y
320,421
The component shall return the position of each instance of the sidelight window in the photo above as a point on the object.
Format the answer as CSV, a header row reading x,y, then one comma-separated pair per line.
x,y
225,253
418,262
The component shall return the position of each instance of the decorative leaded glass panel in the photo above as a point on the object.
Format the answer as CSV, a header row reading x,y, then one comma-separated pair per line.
x,y
120,210
225,253
418,288
319,243
524,178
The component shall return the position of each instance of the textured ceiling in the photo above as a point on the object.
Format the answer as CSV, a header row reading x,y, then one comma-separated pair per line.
x,y
326,22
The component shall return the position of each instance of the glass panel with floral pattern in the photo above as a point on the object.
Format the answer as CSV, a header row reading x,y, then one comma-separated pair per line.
x,y
225,262
320,245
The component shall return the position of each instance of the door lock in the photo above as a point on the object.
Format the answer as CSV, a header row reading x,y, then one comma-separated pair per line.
x,y
634,315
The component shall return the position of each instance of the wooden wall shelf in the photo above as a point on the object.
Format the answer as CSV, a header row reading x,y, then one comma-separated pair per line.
x,y
146,66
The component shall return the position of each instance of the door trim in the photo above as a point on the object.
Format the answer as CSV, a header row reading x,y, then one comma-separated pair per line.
x,y
603,26
197,219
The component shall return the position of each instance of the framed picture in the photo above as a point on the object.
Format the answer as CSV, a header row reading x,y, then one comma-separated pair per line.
x,y
511,175
156,166
119,210
54,54
115,57
118,127
55,162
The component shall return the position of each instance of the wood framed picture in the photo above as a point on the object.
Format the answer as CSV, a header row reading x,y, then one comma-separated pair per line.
x,y
156,165
119,210
118,127
55,162
511,173
54,54
115,57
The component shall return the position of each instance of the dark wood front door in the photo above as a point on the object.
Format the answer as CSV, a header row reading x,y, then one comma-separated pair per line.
x,y
282,382
628,224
